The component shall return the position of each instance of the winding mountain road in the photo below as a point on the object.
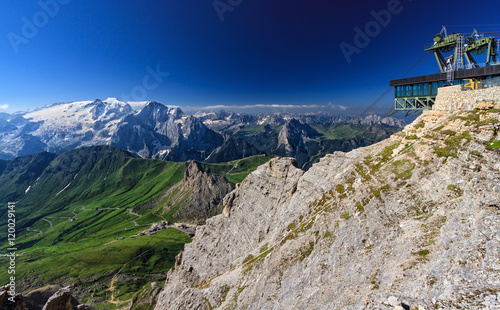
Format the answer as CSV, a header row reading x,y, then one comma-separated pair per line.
x,y
74,218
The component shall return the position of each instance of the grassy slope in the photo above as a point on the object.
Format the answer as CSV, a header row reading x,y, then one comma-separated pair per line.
x,y
237,170
99,185
91,264
76,251
19,173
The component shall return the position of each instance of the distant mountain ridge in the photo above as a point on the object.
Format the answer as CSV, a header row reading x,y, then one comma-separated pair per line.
x,y
307,143
223,118
155,131
161,132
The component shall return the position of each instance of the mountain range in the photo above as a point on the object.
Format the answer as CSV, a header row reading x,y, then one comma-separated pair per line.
x,y
98,176
157,131
292,137
223,119
154,131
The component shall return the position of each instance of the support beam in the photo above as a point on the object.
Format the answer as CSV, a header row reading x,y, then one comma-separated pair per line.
x,y
414,104
440,60
488,56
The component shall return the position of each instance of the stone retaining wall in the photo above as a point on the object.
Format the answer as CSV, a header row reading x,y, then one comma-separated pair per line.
x,y
452,98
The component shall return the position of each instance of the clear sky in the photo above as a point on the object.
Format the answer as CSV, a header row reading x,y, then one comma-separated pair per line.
x,y
225,52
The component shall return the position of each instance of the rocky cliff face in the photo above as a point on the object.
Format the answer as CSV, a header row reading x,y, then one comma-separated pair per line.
x,y
198,196
36,299
293,135
412,221
159,132
15,302
63,300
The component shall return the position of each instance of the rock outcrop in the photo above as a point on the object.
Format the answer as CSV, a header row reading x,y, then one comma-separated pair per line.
x,y
52,297
198,196
36,299
410,222
63,300
293,135
146,298
6,304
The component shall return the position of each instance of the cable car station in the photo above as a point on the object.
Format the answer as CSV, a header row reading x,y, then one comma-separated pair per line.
x,y
459,68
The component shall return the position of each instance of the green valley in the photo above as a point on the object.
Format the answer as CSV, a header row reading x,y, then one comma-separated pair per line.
x,y
78,215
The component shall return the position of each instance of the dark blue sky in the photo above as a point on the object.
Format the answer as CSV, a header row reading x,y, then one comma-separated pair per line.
x,y
262,52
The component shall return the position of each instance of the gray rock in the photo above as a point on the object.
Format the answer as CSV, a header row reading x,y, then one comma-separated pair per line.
x,y
61,300
393,301
205,194
36,299
293,136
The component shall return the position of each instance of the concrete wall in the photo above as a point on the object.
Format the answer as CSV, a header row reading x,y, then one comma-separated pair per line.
x,y
452,98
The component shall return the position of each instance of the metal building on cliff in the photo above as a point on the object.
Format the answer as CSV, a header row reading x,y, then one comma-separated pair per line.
x,y
459,67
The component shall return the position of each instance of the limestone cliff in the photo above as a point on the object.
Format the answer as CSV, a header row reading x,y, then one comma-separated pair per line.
x,y
412,221
198,196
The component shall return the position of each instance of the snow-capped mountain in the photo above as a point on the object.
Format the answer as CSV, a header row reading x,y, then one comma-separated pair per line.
x,y
155,131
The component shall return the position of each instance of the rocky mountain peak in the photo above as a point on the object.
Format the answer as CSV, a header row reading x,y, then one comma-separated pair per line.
x,y
293,135
176,112
153,109
193,170
62,300
205,193
293,126
97,109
